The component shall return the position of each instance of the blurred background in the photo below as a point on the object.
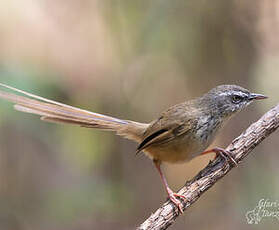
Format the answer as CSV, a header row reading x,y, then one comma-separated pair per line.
x,y
129,59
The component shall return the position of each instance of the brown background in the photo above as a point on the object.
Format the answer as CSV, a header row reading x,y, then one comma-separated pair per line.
x,y
130,59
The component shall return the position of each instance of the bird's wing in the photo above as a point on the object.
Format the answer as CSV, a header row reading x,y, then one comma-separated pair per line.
x,y
164,133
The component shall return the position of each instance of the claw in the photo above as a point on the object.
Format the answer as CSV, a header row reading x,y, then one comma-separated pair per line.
x,y
182,197
173,197
226,155
223,153
177,203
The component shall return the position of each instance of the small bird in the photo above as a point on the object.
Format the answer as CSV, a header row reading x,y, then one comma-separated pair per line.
x,y
181,133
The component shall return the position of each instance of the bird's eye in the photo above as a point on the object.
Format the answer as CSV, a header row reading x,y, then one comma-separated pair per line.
x,y
236,99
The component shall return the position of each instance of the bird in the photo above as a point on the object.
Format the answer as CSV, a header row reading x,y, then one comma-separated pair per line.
x,y
179,134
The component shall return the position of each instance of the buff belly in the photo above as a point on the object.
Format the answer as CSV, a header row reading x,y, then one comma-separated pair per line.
x,y
175,151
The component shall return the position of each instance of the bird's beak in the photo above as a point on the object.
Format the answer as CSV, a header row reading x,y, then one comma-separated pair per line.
x,y
255,96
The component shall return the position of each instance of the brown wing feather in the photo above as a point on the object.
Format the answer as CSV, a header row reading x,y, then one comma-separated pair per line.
x,y
158,137
170,125
163,136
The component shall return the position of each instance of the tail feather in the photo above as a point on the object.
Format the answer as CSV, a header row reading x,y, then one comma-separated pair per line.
x,y
53,111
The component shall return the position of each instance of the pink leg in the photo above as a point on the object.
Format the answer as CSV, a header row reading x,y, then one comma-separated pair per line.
x,y
172,196
224,153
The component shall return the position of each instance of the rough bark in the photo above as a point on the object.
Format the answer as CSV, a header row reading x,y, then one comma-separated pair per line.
x,y
215,170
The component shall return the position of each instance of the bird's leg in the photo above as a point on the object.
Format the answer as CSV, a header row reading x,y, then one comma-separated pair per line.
x,y
172,195
222,152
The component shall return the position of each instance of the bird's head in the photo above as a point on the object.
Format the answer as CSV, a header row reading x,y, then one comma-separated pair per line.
x,y
226,100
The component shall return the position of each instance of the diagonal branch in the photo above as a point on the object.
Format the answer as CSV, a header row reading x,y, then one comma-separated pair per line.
x,y
240,148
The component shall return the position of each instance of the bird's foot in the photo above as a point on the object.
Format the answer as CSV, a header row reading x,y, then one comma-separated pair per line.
x,y
177,202
225,154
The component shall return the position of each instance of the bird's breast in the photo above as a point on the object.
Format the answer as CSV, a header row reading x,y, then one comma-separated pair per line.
x,y
207,128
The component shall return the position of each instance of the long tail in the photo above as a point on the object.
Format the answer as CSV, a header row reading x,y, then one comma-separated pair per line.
x,y
53,111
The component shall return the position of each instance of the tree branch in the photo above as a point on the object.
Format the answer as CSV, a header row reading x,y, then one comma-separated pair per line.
x,y
214,171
